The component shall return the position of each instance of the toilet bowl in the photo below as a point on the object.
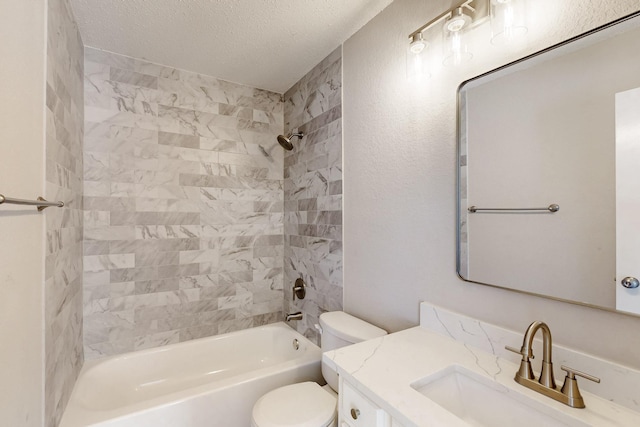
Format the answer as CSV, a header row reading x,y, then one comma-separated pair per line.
x,y
308,404
302,405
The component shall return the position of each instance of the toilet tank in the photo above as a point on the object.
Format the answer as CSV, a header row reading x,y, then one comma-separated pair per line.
x,y
340,329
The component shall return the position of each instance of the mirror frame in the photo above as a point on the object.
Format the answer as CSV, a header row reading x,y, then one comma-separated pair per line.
x,y
459,135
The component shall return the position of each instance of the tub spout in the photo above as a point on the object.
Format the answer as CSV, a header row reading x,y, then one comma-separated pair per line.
x,y
293,316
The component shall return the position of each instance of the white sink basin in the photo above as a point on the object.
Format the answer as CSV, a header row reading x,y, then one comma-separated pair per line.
x,y
479,401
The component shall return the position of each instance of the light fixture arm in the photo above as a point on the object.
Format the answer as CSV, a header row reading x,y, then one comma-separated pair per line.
x,y
480,10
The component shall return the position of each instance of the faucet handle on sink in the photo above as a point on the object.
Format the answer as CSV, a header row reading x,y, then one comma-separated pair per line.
x,y
572,372
515,350
570,386
525,370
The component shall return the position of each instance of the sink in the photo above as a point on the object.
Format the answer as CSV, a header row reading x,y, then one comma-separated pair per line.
x,y
481,402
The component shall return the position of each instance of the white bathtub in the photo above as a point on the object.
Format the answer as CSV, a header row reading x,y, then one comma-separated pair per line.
x,y
210,382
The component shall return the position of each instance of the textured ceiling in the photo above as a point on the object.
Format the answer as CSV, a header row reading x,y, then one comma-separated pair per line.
x,y
269,44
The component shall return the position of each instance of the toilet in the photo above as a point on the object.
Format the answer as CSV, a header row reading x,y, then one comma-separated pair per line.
x,y
308,404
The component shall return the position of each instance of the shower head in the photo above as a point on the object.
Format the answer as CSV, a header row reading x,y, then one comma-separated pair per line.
x,y
285,141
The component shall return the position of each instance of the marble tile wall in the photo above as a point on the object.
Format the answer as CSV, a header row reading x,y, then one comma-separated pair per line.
x,y
183,185
64,226
313,193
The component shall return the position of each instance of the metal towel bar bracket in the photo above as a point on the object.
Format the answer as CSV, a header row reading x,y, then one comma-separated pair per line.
x,y
41,203
551,208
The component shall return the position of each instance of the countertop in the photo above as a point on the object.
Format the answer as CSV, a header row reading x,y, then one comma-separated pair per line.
x,y
383,370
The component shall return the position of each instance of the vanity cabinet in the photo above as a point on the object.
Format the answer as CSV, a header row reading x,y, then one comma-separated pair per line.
x,y
355,410
400,379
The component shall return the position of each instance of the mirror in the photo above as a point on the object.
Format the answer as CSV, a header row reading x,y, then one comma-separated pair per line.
x,y
548,171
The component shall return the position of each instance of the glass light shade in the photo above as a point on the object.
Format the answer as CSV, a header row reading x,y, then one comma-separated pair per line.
x,y
508,20
455,48
417,65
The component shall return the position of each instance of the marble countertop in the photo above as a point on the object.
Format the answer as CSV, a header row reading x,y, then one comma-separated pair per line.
x,y
383,370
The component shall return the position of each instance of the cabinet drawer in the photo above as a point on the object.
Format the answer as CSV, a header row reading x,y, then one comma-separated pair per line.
x,y
359,411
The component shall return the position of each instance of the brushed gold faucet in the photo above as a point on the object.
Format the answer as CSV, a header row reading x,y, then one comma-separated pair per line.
x,y
569,394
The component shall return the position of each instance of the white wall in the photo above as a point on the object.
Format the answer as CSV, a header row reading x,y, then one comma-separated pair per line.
x,y
399,181
22,103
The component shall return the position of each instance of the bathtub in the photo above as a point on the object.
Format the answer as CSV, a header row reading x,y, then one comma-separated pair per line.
x,y
210,382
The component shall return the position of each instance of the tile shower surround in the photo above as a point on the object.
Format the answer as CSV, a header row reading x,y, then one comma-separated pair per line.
x,y
313,193
183,186
64,226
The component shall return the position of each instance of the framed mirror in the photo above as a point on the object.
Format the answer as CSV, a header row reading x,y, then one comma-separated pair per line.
x,y
549,172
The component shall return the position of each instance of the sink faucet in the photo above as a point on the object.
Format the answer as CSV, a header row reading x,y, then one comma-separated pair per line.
x,y
546,374
569,394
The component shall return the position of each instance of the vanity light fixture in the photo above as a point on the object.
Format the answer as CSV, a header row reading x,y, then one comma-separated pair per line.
x,y
507,22
455,24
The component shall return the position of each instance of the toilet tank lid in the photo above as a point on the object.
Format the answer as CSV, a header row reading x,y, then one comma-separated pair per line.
x,y
349,328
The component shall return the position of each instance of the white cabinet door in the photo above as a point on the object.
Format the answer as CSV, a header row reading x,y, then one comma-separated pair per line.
x,y
358,411
627,198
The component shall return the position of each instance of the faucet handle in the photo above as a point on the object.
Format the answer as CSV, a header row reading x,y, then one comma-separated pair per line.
x,y
570,387
299,289
525,371
571,373
515,350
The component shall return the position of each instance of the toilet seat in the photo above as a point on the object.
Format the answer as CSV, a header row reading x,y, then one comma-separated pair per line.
x,y
300,405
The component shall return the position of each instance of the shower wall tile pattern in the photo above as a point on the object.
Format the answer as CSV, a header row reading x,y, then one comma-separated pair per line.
x,y
313,193
64,226
184,205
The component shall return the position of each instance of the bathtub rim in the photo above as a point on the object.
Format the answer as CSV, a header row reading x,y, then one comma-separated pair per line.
x,y
81,414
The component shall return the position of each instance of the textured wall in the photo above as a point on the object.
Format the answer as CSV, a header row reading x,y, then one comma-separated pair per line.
x,y
22,112
183,205
400,169
63,262
313,193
